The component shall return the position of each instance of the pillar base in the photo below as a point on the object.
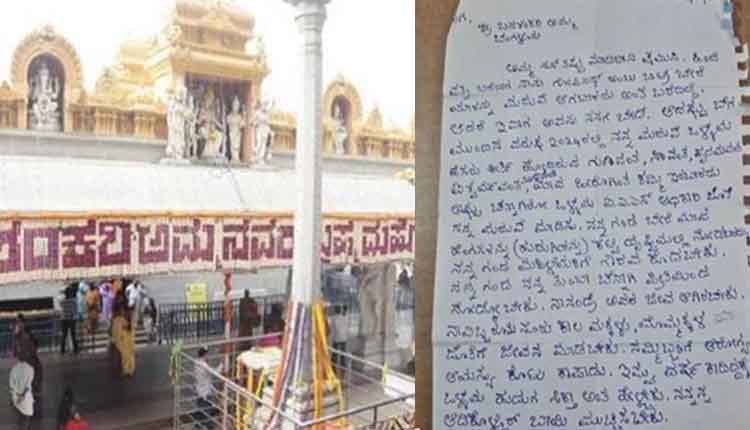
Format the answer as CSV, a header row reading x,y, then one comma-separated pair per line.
x,y
299,405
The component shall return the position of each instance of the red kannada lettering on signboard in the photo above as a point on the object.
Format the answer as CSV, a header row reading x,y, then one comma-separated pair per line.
x,y
31,250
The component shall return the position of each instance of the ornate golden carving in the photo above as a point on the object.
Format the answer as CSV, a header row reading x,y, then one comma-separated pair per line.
x,y
374,120
213,22
341,87
7,93
283,119
46,41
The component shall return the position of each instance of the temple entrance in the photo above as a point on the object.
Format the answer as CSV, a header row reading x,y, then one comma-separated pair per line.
x,y
46,80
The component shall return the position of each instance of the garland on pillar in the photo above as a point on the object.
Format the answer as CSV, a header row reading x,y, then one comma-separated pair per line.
x,y
288,356
290,379
324,377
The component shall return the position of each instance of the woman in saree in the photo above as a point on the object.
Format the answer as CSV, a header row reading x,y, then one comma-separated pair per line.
x,y
122,343
93,309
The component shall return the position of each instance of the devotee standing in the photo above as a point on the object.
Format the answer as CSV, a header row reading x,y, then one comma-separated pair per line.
x,y
122,343
340,332
133,294
141,300
83,288
120,301
22,344
93,309
21,393
36,363
69,306
204,387
273,324
150,318
249,318
116,287
66,409
107,296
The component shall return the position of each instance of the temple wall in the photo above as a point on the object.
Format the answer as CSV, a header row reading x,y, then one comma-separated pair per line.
x,y
137,149
107,121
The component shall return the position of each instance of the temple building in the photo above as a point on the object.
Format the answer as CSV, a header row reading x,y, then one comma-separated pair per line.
x,y
176,167
202,49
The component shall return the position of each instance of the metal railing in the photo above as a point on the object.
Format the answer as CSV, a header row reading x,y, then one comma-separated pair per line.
x,y
48,333
195,322
231,406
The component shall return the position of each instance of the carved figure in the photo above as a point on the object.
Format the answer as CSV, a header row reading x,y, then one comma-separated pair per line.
x,y
191,119
263,133
212,128
44,94
339,132
235,122
214,136
176,114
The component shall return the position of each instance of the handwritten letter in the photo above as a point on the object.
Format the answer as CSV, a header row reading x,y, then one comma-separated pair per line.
x,y
591,255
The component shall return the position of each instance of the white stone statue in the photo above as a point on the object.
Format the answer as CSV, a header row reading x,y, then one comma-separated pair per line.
x,y
259,47
235,122
214,147
339,132
191,120
44,94
176,114
263,133
212,128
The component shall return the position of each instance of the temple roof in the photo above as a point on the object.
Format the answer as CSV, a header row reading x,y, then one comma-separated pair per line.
x,y
30,184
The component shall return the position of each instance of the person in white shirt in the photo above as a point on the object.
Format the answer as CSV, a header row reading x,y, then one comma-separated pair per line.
x,y
340,333
133,293
142,301
204,386
130,294
21,377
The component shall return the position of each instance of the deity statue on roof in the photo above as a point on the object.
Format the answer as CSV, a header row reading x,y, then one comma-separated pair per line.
x,y
211,127
191,119
340,132
263,133
44,95
176,113
235,122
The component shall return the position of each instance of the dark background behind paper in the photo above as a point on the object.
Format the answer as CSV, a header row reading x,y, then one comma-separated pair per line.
x,y
432,23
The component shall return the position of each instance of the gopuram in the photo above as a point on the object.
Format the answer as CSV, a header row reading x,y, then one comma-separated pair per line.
x,y
176,166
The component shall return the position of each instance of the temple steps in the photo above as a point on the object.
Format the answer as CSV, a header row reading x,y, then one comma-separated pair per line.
x,y
99,342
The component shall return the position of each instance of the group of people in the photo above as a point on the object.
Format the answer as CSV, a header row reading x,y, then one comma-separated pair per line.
x,y
26,384
250,320
122,309
338,323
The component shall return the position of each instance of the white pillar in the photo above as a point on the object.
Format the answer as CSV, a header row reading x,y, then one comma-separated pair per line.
x,y
311,14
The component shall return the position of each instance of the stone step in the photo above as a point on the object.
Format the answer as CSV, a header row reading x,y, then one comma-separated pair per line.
x,y
100,341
